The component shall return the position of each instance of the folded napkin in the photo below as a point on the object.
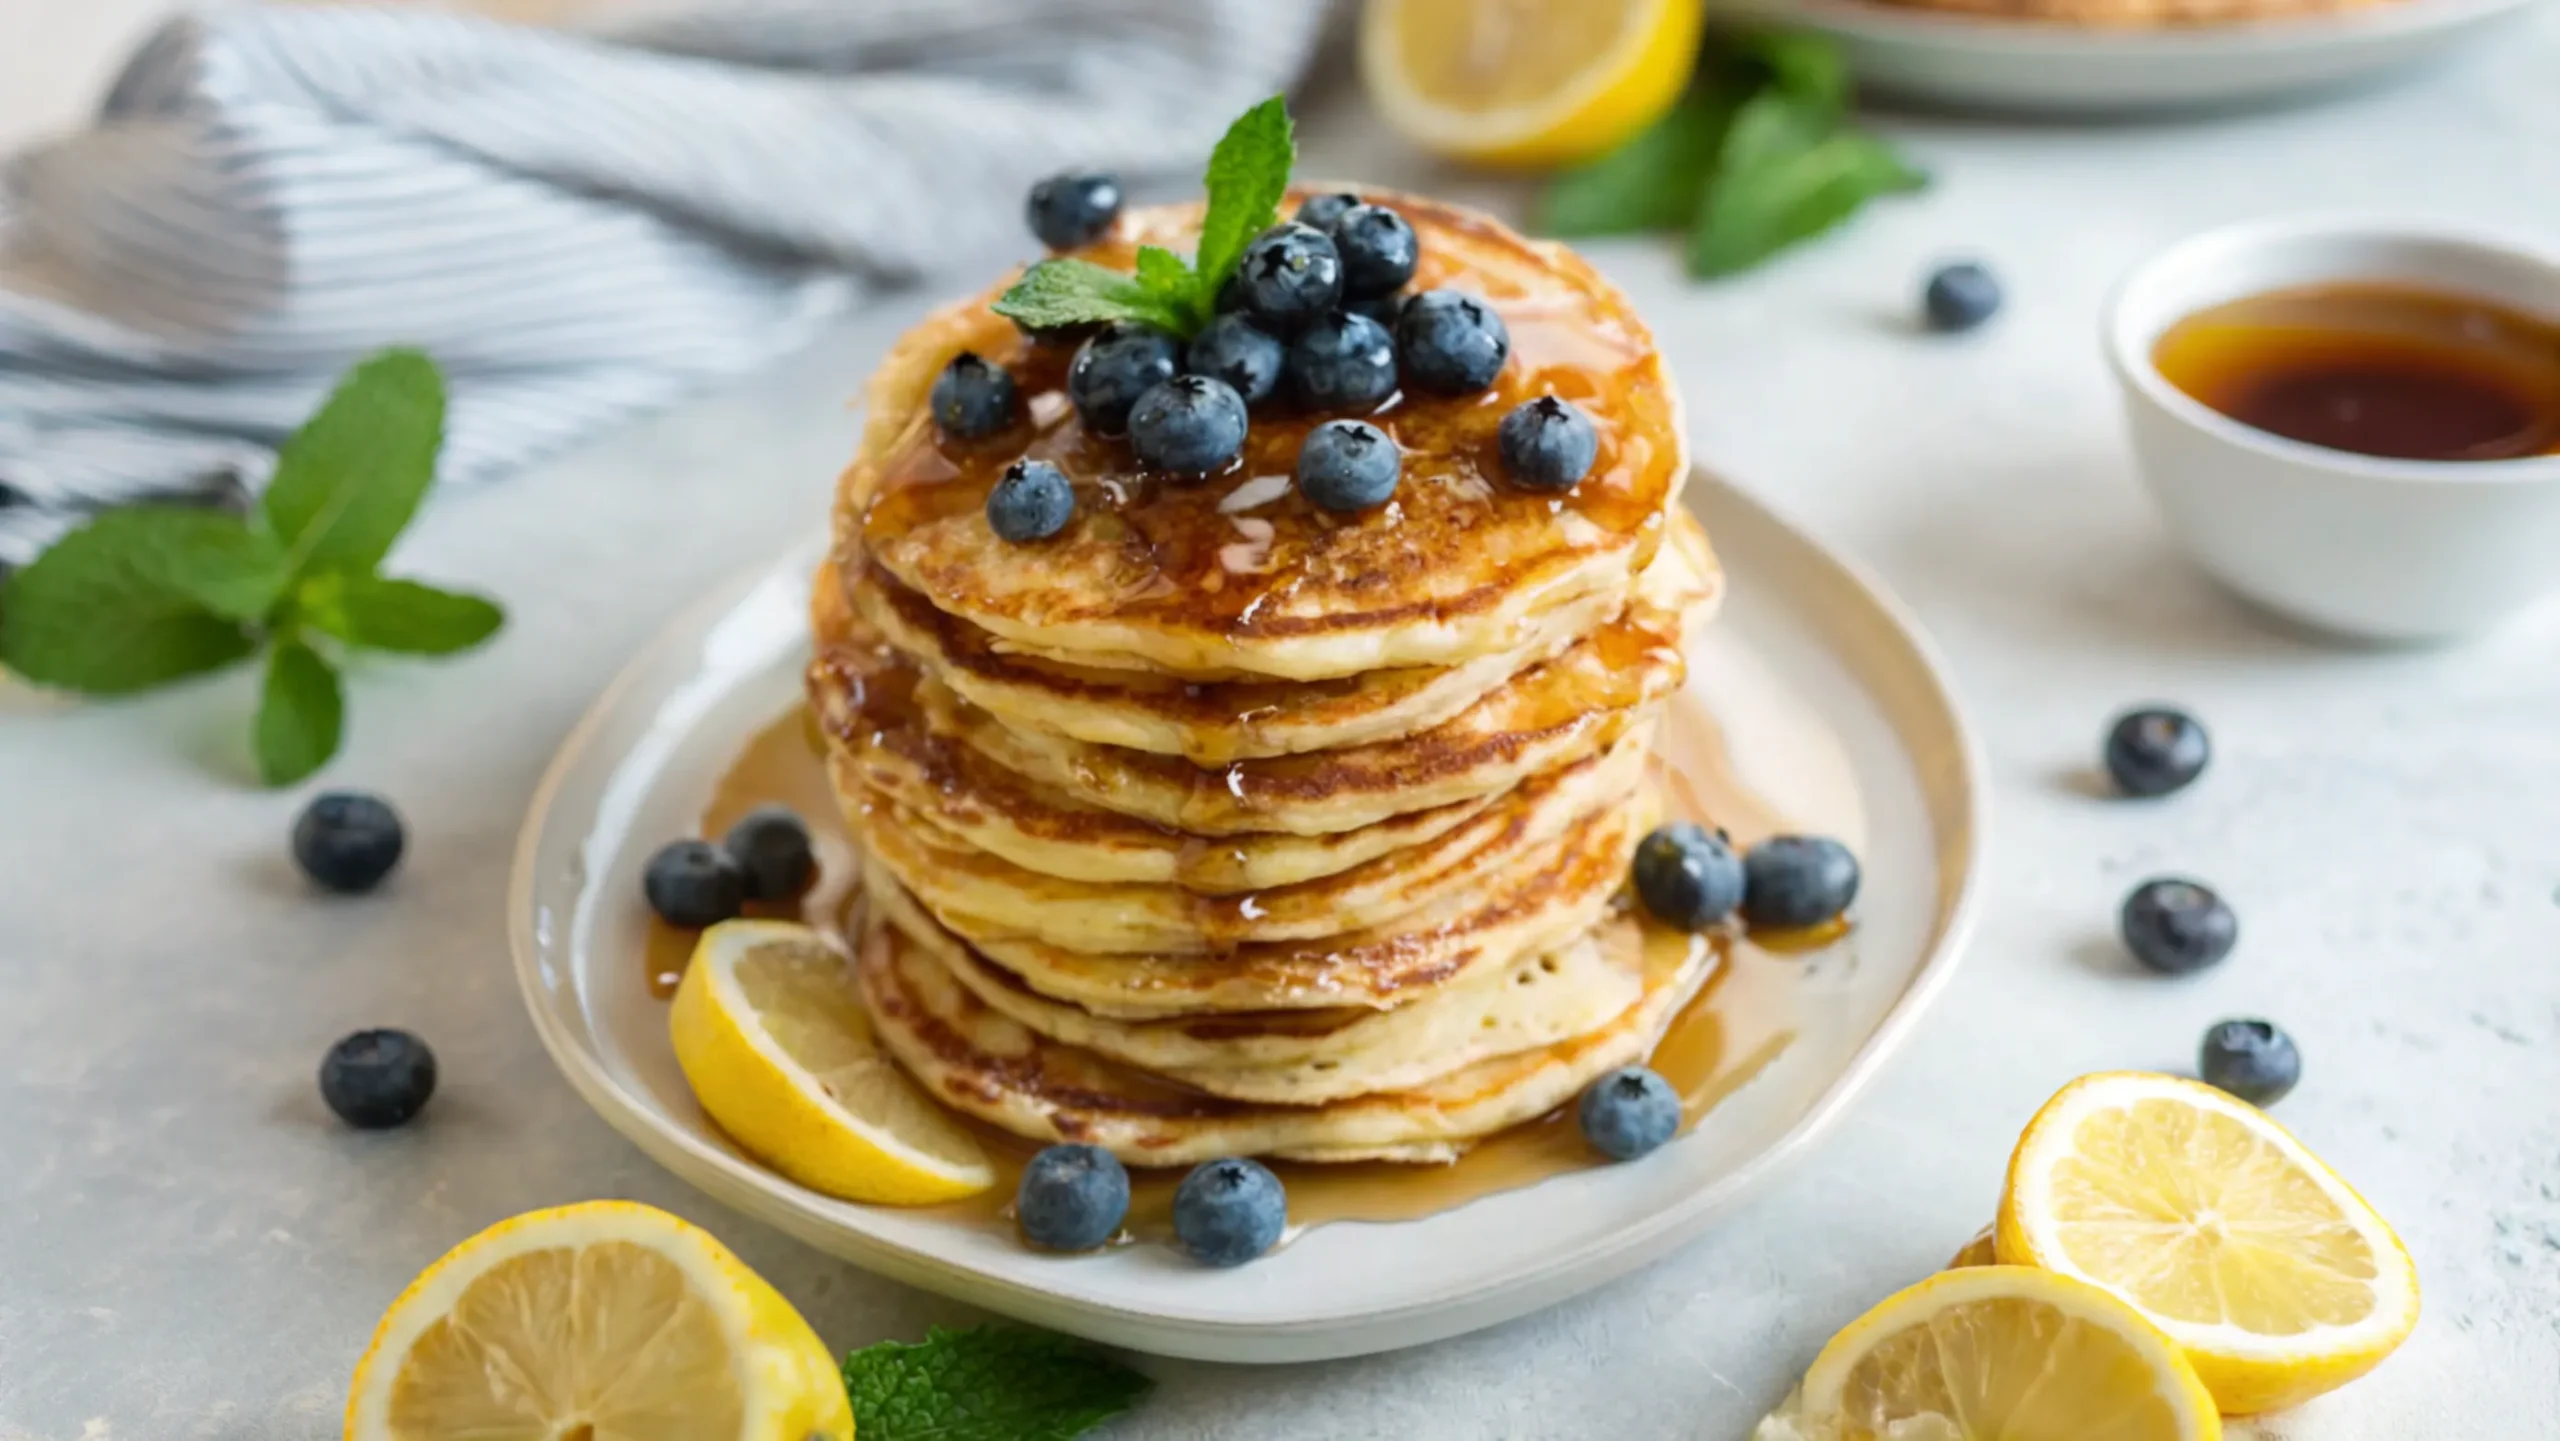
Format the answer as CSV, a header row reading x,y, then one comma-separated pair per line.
x,y
576,225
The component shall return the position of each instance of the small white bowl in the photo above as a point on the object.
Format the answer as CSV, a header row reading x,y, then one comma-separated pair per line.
x,y
2392,550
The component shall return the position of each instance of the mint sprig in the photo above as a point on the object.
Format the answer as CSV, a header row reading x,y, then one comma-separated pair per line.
x,y
148,595
1248,173
987,1383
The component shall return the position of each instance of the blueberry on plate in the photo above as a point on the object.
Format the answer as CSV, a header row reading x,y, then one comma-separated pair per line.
x,y
378,1079
1628,1112
694,884
973,398
1348,465
1073,209
1227,1212
2156,750
2254,1060
1233,349
1378,250
1072,1198
1452,342
1960,297
1342,362
1291,274
1797,881
1688,876
1319,212
348,841
1190,425
1548,444
771,847
1115,367
1031,501
2177,927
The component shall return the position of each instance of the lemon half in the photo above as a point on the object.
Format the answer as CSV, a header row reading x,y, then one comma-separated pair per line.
x,y
1527,82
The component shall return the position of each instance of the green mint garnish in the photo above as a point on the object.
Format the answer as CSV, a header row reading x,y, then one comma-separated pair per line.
x,y
1248,172
143,596
988,1383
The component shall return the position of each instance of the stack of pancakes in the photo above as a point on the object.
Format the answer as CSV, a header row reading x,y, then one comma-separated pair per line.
x,y
1222,825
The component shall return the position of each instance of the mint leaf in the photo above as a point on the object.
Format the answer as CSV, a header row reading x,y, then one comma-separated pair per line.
x,y
1079,292
301,715
347,482
1652,182
1807,68
1787,174
988,1383
121,604
1162,274
379,613
1248,173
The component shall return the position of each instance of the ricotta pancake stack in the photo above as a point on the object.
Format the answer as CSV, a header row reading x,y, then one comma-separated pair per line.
x,y
1219,823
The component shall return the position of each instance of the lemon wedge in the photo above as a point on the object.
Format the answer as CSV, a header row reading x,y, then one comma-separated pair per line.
x,y
2275,1277
1526,82
774,1040
607,1321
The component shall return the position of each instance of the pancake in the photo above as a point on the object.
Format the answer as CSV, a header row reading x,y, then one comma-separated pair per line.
x,y
1162,574
1002,900
978,1060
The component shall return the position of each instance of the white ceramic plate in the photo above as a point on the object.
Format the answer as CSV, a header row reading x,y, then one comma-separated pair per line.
x,y
2043,68
1833,709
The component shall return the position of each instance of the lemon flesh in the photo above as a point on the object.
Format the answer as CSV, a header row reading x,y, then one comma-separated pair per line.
x,y
1527,82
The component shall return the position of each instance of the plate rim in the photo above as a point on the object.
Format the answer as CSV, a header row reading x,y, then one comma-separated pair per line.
x,y
2393,19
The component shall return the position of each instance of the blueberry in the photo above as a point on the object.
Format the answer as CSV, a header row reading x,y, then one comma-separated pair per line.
x,y
772,850
1030,501
2156,750
1548,444
1227,1212
1292,274
1072,209
1688,876
694,884
1452,343
378,1079
2176,926
1342,362
346,841
1230,299
972,398
2254,1060
1072,1198
1960,297
1319,212
1348,465
1798,881
1378,250
1232,349
1190,425
1114,368
1628,1113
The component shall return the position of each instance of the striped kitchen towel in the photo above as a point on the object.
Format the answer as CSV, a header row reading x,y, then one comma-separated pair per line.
x,y
578,226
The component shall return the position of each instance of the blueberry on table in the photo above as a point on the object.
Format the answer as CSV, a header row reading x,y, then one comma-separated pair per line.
x,y
1073,209
1348,465
973,398
1031,501
2254,1060
1378,250
1628,1113
1319,212
348,841
1547,444
1072,1198
772,849
1190,425
1688,876
1290,274
694,884
1960,297
2156,750
1227,1212
378,1079
1114,368
1797,881
1233,349
1342,362
2177,927
1452,343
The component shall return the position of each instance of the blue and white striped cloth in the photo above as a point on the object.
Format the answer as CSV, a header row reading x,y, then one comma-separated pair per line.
x,y
577,226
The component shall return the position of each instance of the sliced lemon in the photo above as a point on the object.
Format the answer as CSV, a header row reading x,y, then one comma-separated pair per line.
x,y
1526,82
773,1038
607,1321
2274,1276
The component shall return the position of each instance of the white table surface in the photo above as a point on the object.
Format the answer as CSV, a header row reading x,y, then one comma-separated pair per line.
x,y
190,1247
